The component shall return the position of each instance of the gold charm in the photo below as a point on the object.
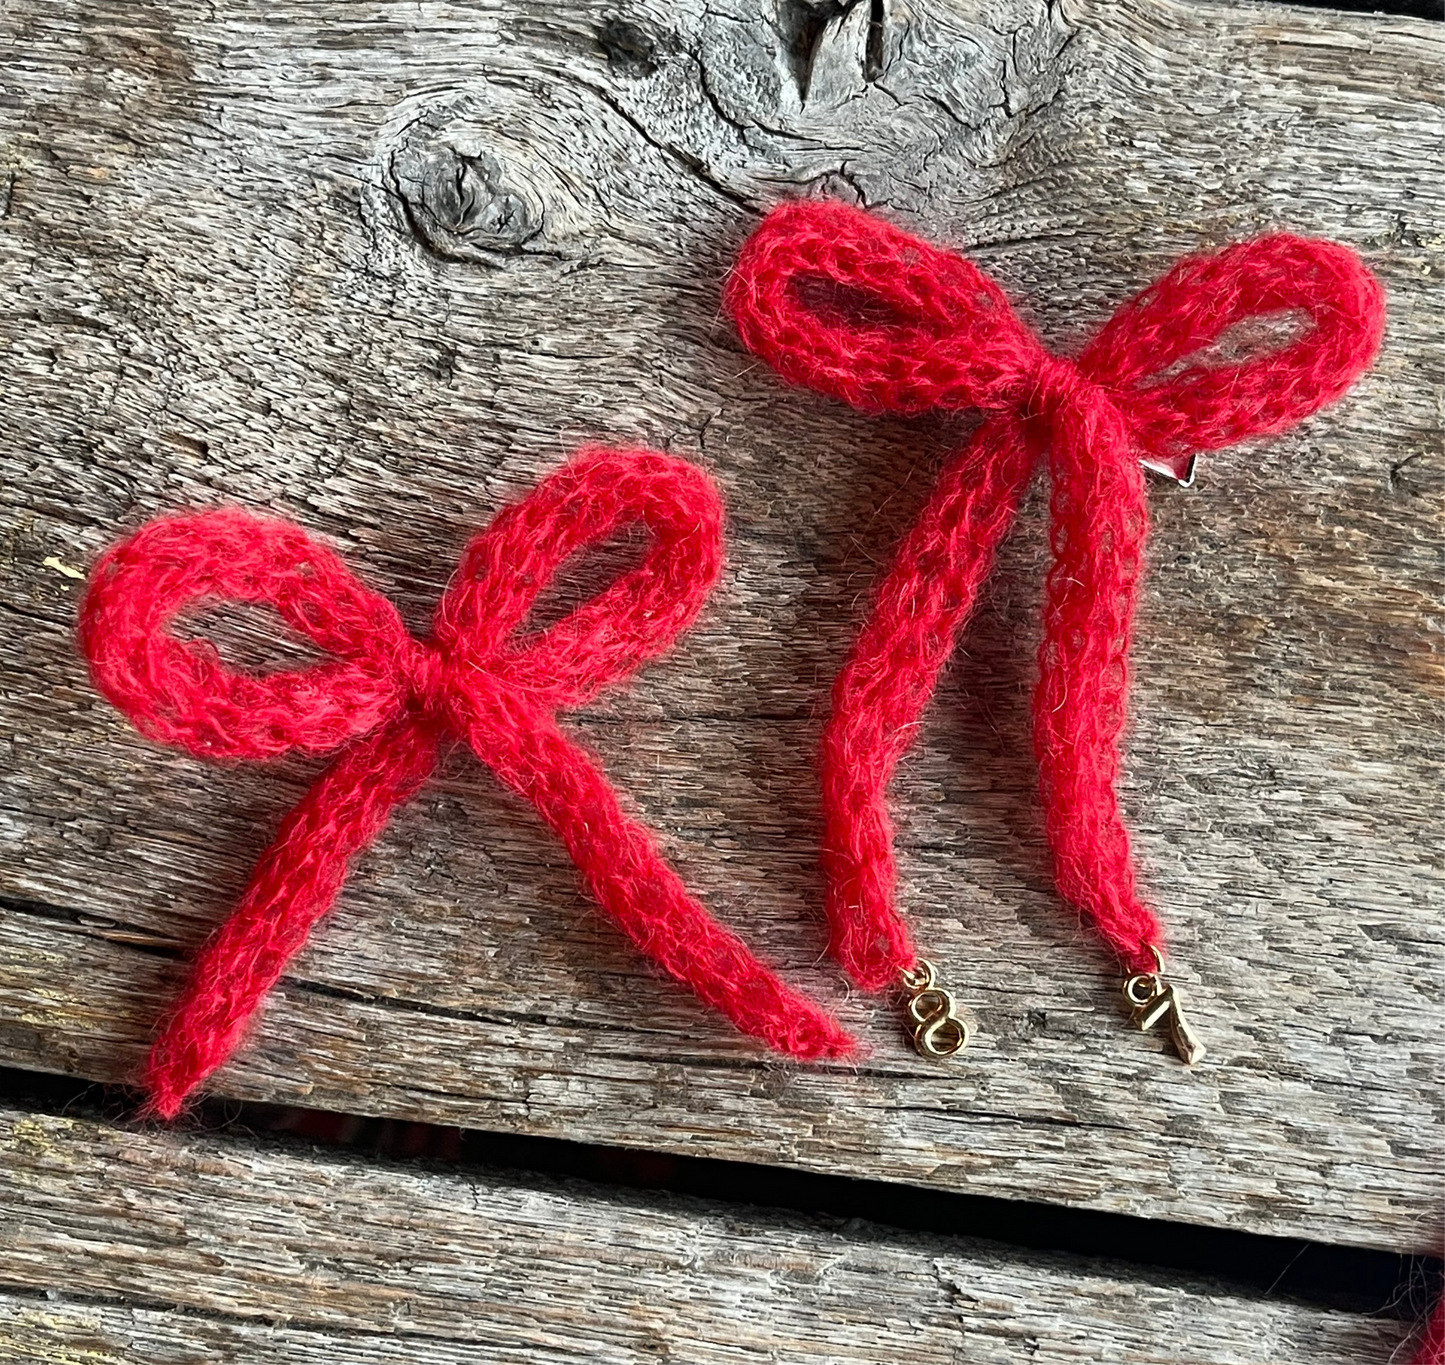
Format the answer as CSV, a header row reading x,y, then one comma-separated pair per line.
x,y
1152,999
937,1030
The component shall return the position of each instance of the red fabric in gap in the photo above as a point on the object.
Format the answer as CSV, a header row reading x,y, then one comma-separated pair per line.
x,y
837,300
387,701
1431,1350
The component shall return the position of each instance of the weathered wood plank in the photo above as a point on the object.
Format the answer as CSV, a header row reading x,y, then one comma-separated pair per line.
x,y
222,1249
215,291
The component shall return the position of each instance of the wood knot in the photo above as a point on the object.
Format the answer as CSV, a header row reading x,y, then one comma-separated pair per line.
x,y
458,201
629,49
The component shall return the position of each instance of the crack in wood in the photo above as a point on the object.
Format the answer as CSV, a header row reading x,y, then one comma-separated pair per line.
x,y
806,26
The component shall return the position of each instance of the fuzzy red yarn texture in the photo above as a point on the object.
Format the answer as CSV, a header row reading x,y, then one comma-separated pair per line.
x,y
842,302
388,701
1431,1347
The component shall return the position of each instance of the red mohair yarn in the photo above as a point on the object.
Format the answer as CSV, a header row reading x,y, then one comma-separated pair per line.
x,y
837,300
388,701
1431,1349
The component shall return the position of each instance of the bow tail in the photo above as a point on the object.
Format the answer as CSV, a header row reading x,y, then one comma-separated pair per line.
x,y
294,884
1099,523
629,878
890,674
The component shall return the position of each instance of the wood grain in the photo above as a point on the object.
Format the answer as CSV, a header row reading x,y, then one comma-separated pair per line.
x,y
379,267
222,1250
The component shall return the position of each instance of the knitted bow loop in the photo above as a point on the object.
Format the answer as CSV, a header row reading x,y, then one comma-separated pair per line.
x,y
1195,305
178,691
841,302
637,617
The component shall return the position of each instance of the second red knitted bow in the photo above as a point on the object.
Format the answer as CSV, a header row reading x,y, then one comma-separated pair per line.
x,y
391,700
837,300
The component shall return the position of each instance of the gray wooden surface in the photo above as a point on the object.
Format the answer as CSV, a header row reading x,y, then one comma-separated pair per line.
x,y
230,1251
379,267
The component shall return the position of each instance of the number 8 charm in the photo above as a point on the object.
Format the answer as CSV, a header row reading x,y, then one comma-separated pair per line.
x,y
938,1031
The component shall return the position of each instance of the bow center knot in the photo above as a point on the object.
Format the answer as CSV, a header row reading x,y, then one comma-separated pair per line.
x,y
1059,385
429,671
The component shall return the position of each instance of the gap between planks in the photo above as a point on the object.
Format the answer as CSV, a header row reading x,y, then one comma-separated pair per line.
x,y
165,1245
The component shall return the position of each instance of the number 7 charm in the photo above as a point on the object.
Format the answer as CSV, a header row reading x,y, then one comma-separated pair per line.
x,y
1152,999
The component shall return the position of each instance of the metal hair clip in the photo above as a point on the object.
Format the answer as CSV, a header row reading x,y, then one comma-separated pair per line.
x,y
1169,472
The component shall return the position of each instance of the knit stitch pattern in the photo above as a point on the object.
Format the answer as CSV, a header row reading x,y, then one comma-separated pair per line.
x,y
839,301
388,702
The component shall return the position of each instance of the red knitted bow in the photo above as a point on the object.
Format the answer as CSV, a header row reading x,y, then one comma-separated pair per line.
x,y
838,301
391,699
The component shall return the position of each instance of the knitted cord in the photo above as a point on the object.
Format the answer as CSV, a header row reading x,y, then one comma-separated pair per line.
x,y
387,702
839,301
